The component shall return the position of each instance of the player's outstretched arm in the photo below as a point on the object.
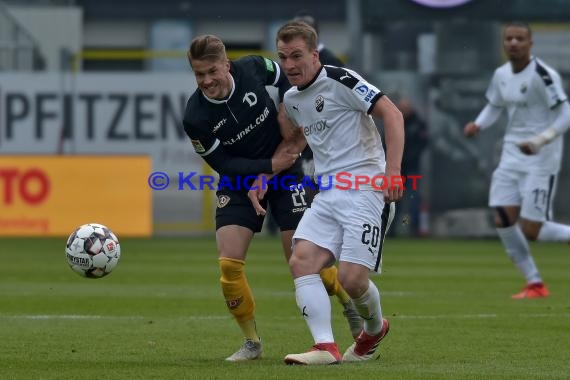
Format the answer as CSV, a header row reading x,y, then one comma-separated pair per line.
x,y
394,135
207,146
487,117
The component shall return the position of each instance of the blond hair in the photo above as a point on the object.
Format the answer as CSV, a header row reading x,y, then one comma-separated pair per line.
x,y
298,29
207,47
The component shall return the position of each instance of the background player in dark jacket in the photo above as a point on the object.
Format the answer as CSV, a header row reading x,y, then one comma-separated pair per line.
x,y
416,141
232,123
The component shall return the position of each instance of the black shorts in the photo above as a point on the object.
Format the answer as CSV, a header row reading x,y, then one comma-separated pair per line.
x,y
287,201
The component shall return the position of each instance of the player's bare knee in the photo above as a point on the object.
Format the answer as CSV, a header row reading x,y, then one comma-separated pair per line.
x,y
307,258
502,218
229,252
295,265
300,265
354,284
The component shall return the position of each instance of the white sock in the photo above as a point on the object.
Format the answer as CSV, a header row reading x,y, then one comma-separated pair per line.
x,y
369,308
551,231
315,306
518,250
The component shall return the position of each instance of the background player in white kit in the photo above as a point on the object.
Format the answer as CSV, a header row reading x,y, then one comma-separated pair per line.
x,y
523,185
332,107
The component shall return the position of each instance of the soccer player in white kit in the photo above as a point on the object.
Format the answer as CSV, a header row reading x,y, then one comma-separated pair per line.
x,y
523,185
331,108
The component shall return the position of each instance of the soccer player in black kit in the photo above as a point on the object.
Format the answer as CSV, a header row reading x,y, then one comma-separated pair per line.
x,y
233,125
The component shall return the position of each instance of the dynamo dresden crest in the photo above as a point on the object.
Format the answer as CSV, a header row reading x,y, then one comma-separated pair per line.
x,y
223,200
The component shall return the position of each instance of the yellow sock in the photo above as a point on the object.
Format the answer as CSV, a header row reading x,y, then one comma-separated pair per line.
x,y
332,285
249,330
239,298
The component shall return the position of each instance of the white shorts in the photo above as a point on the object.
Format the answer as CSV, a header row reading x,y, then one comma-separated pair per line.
x,y
351,224
533,192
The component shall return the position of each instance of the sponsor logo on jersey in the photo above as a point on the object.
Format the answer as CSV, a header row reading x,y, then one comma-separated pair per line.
x,y
198,147
296,108
269,65
319,103
523,87
361,90
258,121
341,75
345,76
316,127
220,123
222,201
370,95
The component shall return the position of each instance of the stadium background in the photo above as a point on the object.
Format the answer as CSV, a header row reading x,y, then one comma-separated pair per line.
x,y
92,79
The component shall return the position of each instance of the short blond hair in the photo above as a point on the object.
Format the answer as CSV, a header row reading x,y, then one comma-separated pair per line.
x,y
296,29
207,47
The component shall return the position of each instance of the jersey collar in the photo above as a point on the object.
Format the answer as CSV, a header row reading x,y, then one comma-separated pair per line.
x,y
312,80
528,66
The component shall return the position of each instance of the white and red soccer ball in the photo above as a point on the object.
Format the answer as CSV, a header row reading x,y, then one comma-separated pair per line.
x,y
92,250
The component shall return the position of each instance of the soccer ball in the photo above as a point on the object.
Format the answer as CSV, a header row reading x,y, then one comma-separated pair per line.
x,y
92,250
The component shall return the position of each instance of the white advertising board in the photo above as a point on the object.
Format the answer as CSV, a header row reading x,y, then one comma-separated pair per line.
x,y
103,113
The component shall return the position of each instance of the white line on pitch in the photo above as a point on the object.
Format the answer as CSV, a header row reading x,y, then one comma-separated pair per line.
x,y
216,317
129,317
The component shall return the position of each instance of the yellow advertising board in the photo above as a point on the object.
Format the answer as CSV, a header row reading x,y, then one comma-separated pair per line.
x,y
52,195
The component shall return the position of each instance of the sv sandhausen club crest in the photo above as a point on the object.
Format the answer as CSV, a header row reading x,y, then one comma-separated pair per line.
x,y
319,103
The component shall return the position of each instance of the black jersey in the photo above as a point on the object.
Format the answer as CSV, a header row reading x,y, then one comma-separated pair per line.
x,y
238,135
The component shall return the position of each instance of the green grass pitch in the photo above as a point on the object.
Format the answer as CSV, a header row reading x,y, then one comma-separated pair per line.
x,y
160,314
